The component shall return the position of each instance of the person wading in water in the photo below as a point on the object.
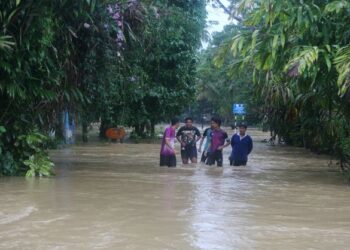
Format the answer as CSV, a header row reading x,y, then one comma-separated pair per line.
x,y
167,151
207,135
218,139
188,136
242,146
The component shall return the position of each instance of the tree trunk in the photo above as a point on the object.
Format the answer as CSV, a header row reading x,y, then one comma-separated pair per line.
x,y
152,129
85,131
138,129
103,128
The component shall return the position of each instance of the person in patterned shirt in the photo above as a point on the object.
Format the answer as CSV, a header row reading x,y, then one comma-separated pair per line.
x,y
188,136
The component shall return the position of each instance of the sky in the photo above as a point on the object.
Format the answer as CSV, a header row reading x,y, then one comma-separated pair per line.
x,y
216,14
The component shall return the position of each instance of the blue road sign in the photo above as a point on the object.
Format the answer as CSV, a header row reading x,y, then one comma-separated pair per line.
x,y
238,109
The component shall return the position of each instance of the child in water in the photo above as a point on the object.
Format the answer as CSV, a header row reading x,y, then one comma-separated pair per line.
x,y
242,146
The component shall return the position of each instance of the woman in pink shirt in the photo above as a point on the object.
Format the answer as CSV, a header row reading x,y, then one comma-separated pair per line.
x,y
167,151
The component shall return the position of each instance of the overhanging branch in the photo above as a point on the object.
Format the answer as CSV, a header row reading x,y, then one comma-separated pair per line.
x,y
228,11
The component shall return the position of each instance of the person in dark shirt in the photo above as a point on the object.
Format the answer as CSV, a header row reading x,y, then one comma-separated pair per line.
x,y
219,140
188,136
242,146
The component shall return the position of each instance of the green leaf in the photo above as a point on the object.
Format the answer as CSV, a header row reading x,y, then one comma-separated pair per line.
x,y
337,6
6,43
283,40
300,16
275,41
240,45
268,63
2,130
30,173
254,39
328,62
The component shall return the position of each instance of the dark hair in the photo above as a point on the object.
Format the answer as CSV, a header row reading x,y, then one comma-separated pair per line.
x,y
174,121
188,118
217,120
242,125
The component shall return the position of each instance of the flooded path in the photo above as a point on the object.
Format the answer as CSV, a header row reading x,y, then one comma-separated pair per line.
x,y
114,196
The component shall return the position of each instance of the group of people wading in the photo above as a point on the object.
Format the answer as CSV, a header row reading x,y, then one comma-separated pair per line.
x,y
216,139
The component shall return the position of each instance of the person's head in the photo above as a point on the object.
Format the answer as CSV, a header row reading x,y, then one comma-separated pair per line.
x,y
215,122
242,128
175,122
189,122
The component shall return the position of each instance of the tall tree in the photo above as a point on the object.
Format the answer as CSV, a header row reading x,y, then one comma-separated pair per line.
x,y
221,89
299,55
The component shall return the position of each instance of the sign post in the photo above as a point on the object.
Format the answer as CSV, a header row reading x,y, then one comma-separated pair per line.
x,y
238,110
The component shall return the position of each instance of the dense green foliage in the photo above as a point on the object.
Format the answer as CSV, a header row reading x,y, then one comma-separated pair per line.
x,y
218,89
119,62
161,72
299,52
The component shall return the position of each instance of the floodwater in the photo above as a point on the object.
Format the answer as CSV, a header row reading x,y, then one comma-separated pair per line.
x,y
114,196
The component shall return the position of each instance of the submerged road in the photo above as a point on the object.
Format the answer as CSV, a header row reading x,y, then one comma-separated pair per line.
x,y
114,196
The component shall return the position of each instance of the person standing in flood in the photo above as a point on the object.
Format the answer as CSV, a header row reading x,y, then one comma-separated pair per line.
x,y
167,151
242,146
219,141
207,136
188,136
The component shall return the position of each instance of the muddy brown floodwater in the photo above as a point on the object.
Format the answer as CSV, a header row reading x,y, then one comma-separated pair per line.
x,y
114,196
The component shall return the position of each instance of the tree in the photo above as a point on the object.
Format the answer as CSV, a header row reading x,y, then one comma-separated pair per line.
x,y
116,61
220,88
44,63
299,55
162,60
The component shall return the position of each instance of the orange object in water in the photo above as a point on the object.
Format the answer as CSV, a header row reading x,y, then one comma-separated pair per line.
x,y
116,133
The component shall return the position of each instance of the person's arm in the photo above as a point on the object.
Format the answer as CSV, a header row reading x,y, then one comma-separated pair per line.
x,y
198,135
178,136
250,145
228,142
167,142
209,143
233,141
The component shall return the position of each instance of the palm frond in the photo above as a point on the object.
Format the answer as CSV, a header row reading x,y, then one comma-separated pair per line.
x,y
6,43
303,59
342,62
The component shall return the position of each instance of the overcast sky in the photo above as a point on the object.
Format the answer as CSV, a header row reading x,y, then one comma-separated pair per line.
x,y
216,14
